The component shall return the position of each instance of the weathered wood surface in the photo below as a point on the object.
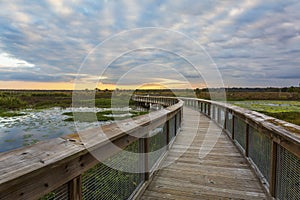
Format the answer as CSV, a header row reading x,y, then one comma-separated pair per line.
x,y
284,133
30,172
222,174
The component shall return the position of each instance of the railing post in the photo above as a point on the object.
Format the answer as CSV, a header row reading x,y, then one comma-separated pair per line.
x,y
219,115
247,140
225,120
146,159
75,188
168,133
232,126
272,188
175,124
209,111
201,107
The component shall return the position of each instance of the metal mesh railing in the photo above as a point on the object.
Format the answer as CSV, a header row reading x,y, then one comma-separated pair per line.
x,y
260,151
288,175
283,176
240,132
157,145
114,180
61,193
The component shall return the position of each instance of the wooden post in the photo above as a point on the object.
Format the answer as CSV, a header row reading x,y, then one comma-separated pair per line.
x,y
175,124
146,160
75,188
247,140
273,169
168,133
201,107
225,120
232,126
219,116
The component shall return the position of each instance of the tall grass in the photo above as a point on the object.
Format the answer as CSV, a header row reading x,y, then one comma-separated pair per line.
x,y
11,103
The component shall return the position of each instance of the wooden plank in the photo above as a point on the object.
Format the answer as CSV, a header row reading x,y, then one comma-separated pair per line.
x,y
223,174
33,171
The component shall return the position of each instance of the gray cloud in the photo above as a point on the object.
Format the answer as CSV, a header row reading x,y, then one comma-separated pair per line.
x,y
248,40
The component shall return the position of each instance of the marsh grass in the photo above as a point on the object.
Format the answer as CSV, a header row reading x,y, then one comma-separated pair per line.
x,y
101,116
285,110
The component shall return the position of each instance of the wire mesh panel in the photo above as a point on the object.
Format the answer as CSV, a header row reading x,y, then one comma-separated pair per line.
x,y
240,131
171,128
229,123
157,145
288,175
61,193
117,181
260,151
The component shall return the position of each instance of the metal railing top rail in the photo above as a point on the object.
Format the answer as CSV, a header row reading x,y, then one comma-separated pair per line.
x,y
38,169
281,131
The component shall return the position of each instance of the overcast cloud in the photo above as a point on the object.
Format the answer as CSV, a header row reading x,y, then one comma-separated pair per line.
x,y
253,43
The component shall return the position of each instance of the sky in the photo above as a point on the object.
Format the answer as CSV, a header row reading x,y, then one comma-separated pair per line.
x,y
57,44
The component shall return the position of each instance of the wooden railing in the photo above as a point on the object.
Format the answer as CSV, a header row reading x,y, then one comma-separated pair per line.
x,y
63,168
271,146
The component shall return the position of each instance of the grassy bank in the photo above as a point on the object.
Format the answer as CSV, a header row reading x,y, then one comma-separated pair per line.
x,y
102,116
13,101
285,110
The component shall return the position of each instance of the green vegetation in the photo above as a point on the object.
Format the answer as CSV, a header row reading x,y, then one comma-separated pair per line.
x,y
101,116
11,114
10,103
22,99
285,110
292,117
16,100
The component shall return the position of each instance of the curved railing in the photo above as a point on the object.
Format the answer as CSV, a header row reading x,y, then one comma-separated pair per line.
x,y
271,146
63,168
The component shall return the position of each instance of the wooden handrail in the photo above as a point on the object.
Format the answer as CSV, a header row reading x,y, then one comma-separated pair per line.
x,y
285,133
31,172
279,133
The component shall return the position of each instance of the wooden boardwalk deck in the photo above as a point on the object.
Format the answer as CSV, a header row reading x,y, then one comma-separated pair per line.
x,y
222,174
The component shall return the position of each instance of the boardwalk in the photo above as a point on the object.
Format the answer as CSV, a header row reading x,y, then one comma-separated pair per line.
x,y
222,174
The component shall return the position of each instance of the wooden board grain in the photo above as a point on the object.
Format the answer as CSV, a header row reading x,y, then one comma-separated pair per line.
x,y
222,174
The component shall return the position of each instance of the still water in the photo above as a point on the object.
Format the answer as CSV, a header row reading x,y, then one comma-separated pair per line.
x,y
44,124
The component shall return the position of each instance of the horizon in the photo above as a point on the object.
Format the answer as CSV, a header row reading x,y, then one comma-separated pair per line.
x,y
141,89
62,45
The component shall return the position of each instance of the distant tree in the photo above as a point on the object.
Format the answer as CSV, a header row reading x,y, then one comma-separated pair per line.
x,y
291,89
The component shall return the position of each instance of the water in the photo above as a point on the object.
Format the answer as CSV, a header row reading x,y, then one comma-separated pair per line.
x,y
39,125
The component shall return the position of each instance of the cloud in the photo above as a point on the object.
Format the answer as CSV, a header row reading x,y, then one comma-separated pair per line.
x,y
245,38
8,61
